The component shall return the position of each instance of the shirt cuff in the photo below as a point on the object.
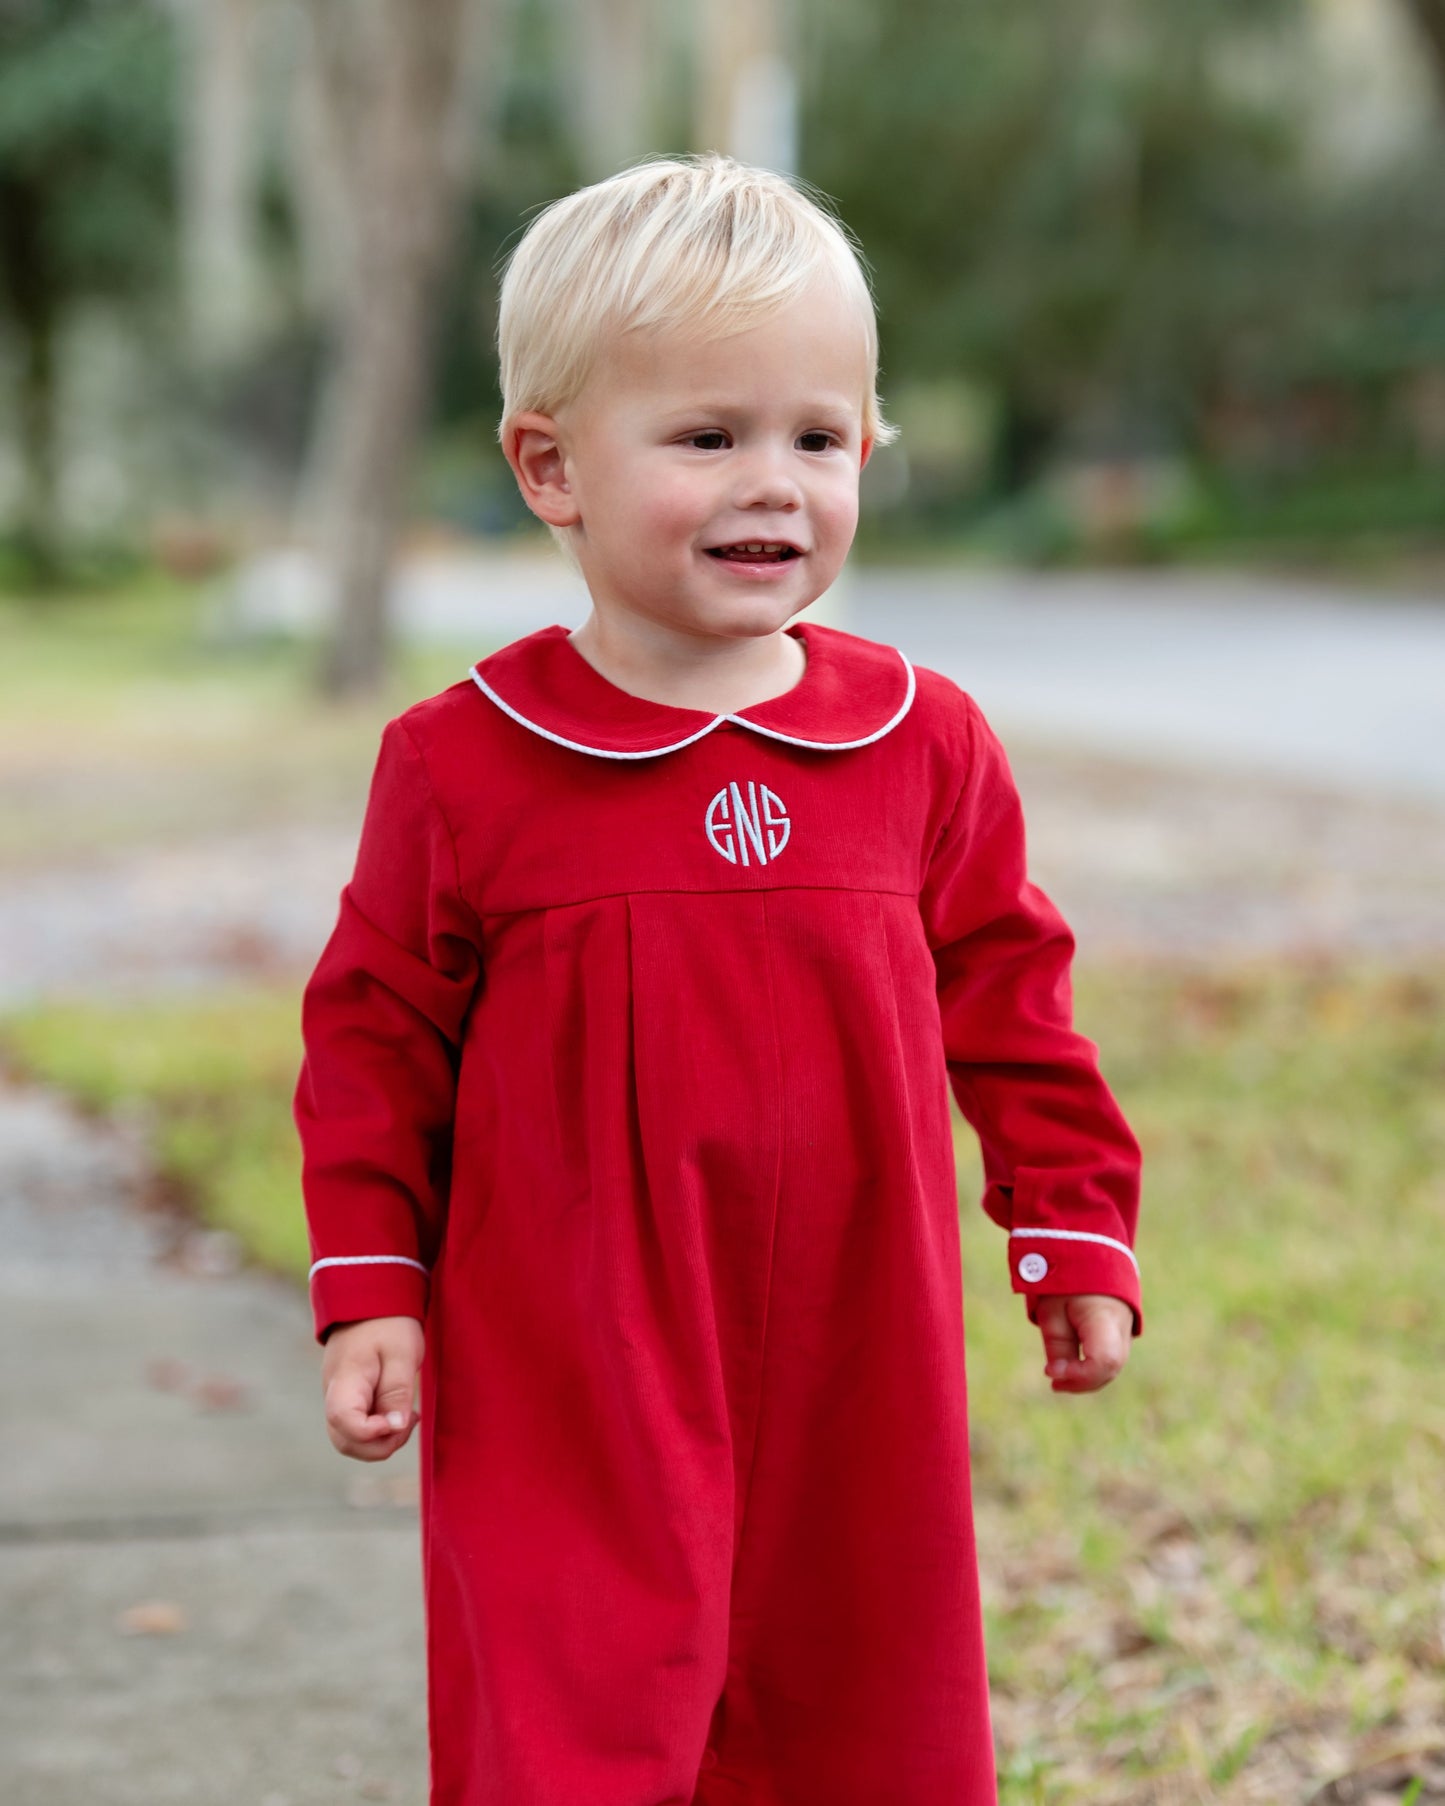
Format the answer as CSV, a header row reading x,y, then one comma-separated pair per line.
x,y
1052,1263
347,1287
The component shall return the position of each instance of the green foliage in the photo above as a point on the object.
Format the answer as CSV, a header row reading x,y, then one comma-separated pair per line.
x,y
1112,216
86,209
1366,519
1039,186
87,137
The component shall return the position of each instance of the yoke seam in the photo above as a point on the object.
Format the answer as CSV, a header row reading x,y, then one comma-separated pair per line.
x,y
710,890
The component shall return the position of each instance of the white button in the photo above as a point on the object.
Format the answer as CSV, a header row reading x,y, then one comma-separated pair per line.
x,y
1033,1266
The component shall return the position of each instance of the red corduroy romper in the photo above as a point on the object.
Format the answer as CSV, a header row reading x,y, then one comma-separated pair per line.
x,y
627,1071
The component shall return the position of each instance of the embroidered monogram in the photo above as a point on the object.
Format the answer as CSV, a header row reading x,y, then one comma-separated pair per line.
x,y
757,828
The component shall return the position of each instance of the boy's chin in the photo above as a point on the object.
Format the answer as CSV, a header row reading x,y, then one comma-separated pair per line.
x,y
750,617
765,603
746,613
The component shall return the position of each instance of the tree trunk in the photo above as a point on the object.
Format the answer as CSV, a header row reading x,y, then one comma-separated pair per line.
x,y
746,94
391,75
612,46
1025,436
377,404
40,525
1429,15
222,259
34,305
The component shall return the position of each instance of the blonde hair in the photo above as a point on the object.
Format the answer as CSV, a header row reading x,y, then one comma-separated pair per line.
x,y
699,241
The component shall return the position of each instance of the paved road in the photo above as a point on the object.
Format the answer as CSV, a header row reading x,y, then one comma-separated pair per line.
x,y
1239,675
1234,673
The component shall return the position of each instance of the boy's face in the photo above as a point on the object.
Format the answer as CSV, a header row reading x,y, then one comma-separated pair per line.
x,y
680,450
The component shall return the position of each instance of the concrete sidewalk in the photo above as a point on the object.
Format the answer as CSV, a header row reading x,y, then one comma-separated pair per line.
x,y
200,1600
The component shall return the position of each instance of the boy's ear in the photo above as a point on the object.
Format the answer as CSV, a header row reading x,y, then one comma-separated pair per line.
x,y
532,444
867,453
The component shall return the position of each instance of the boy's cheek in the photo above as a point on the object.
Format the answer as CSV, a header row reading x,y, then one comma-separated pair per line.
x,y
668,509
842,517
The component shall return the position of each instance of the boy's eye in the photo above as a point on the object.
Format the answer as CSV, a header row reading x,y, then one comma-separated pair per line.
x,y
713,439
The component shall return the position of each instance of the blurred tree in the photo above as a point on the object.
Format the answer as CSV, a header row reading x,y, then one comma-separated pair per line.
x,y
86,203
611,46
1429,16
393,100
223,265
531,155
1088,209
746,89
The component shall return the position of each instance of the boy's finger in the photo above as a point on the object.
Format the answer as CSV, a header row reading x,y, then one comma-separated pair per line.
x,y
348,1408
395,1391
372,1439
1061,1340
1103,1349
1104,1336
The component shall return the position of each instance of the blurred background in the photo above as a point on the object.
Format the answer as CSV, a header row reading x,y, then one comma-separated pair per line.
x,y
1162,311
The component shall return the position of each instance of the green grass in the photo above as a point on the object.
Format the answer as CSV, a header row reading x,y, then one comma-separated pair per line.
x,y
1219,1579
1242,1539
1294,1132
209,1079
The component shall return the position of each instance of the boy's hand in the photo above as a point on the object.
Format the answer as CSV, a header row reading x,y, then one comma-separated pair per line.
x,y
368,1378
1086,1339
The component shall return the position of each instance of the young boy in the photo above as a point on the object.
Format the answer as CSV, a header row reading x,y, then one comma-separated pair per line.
x,y
625,1100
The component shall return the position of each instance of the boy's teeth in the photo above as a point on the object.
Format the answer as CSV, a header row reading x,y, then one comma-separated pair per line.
x,y
769,551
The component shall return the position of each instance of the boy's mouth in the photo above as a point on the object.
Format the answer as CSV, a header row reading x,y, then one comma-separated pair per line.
x,y
756,551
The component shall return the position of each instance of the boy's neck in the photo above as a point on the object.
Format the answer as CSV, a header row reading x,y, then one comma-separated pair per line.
x,y
691,671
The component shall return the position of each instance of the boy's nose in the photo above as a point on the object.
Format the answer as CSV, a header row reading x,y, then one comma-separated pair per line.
x,y
766,482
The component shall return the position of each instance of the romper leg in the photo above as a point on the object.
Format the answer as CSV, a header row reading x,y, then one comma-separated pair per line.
x,y
856,1669
581,1479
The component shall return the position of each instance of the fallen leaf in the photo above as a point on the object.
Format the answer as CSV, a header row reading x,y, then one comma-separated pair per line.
x,y
1388,1781
167,1374
152,1618
1130,1638
218,1393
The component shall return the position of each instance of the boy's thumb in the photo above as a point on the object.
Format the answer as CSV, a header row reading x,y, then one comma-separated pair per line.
x,y
395,1390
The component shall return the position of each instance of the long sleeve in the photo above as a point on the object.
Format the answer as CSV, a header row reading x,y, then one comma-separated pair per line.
x,y
382,1018
1061,1165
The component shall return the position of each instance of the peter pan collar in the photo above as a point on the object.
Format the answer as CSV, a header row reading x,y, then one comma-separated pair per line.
x,y
852,692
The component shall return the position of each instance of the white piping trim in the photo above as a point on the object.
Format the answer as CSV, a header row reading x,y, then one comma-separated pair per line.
x,y
1080,1235
363,1260
838,745
603,752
